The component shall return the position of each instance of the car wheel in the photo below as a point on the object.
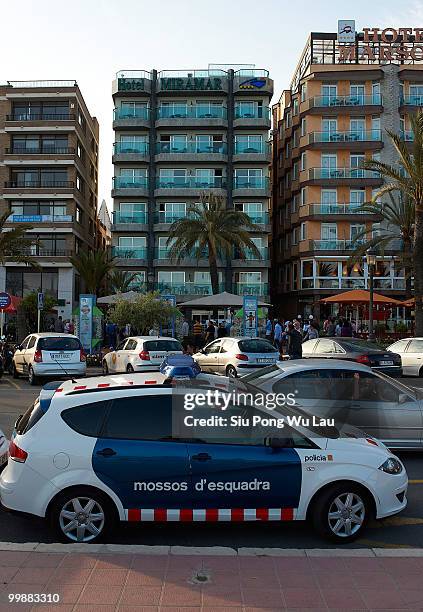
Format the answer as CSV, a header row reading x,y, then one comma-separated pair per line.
x,y
129,368
341,512
82,515
105,368
421,372
32,379
231,371
15,372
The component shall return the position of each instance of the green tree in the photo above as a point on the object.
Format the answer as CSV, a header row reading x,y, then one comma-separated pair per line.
x,y
406,177
211,228
15,243
29,308
144,312
397,216
120,281
94,268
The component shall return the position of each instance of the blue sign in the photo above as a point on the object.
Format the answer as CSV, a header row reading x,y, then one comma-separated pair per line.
x,y
256,83
250,312
171,300
40,301
5,300
86,306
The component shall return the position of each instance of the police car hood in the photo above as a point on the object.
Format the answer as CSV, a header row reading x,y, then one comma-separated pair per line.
x,y
351,437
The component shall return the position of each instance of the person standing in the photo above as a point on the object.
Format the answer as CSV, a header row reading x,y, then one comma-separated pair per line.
x,y
198,334
312,332
277,335
295,339
210,332
269,329
59,326
330,328
185,333
221,330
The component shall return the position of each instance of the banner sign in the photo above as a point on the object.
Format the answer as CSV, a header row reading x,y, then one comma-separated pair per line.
x,y
171,301
40,301
250,310
86,306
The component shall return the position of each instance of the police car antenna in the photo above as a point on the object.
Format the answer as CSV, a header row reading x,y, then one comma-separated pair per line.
x,y
67,373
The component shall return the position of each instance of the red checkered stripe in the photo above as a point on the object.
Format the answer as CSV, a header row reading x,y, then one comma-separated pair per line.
x,y
163,515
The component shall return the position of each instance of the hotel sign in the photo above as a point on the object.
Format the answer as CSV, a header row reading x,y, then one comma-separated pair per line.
x,y
388,45
130,84
191,83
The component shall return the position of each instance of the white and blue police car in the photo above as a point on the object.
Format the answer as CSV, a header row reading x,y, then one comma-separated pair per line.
x,y
94,452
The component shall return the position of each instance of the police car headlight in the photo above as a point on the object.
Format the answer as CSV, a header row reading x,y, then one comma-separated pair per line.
x,y
391,466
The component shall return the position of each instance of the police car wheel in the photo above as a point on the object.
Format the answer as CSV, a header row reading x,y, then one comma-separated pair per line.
x,y
82,515
231,372
32,379
129,368
341,513
105,367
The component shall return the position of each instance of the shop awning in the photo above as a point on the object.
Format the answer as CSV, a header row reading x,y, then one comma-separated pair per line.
x,y
360,296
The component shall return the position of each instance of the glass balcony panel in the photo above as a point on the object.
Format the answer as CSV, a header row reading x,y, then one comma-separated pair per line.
x,y
259,218
128,253
195,111
259,112
136,112
350,136
40,218
163,253
327,283
252,147
353,100
413,100
168,217
350,208
335,245
251,182
142,148
263,251
353,283
129,182
189,183
135,217
342,173
191,147
251,288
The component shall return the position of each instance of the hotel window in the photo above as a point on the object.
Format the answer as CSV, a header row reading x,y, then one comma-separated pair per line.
x,y
307,268
30,208
208,109
173,143
376,93
249,109
78,214
249,278
249,177
356,230
402,124
39,177
253,209
173,109
171,211
169,278
303,92
357,196
133,177
295,170
329,125
295,203
287,150
295,235
416,94
356,160
303,127
209,143
357,92
329,94
329,197
295,107
358,126
133,109
303,161
329,165
376,125
133,143
172,177
295,139
135,212
137,281
132,242
303,195
252,143
206,177
328,231
303,234
288,119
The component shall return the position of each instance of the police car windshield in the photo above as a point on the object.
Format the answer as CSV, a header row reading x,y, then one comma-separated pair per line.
x,y
59,344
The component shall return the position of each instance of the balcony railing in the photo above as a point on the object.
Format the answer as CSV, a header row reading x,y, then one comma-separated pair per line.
x,y
257,182
40,219
142,112
40,117
349,208
358,100
128,182
136,217
181,111
337,282
258,147
335,245
140,148
350,136
44,150
163,253
168,217
250,288
190,183
407,135
263,254
259,218
191,147
40,252
261,112
188,288
129,253
39,184
413,100
342,173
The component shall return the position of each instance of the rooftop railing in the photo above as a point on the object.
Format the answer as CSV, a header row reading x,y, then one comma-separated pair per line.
x,y
22,84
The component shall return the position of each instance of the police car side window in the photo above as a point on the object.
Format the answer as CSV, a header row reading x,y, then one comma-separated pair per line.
x,y
146,417
86,419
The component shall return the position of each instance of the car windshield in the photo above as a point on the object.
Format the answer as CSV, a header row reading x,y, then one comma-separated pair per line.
x,y
358,344
162,345
59,344
256,346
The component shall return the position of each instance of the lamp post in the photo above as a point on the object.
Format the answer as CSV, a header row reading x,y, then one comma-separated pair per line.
x,y
371,264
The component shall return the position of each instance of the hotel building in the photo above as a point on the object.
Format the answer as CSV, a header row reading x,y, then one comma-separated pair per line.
x,y
341,101
179,134
48,179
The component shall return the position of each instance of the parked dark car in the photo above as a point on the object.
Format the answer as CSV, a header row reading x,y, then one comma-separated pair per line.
x,y
354,349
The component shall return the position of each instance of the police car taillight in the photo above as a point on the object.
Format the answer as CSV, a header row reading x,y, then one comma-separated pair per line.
x,y
144,356
16,453
241,357
38,356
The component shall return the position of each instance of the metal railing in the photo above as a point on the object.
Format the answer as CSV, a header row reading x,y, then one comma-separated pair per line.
x,y
349,136
127,182
259,182
133,74
40,117
335,245
42,84
129,253
351,100
140,148
180,111
39,184
40,219
191,147
348,208
136,217
44,150
190,183
413,100
142,112
342,173
40,252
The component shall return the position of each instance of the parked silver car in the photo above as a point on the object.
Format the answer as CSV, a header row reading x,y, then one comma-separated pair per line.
x,y
236,356
411,352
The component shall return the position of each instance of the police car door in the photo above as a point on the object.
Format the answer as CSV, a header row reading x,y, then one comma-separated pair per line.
x,y
136,457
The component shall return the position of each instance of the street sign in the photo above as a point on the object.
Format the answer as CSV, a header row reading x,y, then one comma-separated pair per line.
x,y
5,300
40,301
85,331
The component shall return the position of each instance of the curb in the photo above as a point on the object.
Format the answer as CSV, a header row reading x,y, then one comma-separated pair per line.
x,y
207,551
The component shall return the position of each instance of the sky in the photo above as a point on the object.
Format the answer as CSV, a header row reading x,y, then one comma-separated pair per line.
x,y
90,40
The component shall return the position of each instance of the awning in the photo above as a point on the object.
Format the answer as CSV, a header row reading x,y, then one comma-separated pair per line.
x,y
13,306
360,296
220,300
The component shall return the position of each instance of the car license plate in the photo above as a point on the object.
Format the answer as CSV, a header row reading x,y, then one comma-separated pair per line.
x,y
263,360
386,363
60,356
3,459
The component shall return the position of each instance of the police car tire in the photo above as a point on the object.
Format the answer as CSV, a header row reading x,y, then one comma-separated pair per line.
x,y
323,503
110,511
129,368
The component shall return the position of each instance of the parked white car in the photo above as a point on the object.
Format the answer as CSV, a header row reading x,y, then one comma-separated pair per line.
x,y
49,354
411,351
140,354
4,450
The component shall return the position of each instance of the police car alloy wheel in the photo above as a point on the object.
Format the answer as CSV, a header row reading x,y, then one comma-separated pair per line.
x,y
129,368
341,513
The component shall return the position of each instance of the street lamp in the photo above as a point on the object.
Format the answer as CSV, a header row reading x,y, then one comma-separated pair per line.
x,y
371,264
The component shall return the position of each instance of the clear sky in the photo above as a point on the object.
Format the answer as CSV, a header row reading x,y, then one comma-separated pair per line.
x,y
89,40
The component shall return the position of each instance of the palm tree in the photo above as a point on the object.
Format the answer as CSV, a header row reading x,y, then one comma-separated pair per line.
x,y
397,218
93,267
121,280
14,243
211,228
407,177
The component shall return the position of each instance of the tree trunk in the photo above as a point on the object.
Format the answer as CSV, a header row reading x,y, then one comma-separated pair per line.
x,y
408,269
214,278
418,269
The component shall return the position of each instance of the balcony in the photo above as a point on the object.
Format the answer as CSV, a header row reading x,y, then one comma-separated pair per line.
x,y
250,288
353,104
41,117
130,151
368,139
39,185
251,186
189,186
196,115
131,256
191,151
165,219
347,209
131,118
134,221
188,288
254,152
44,150
130,186
251,260
40,219
391,283
413,100
162,258
256,117
348,176
262,218
40,252
334,245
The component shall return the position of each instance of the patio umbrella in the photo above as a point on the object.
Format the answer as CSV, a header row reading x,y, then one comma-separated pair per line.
x,y
409,303
360,296
219,300
13,306
129,296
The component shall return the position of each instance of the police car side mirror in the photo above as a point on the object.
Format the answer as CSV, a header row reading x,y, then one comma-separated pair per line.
x,y
279,442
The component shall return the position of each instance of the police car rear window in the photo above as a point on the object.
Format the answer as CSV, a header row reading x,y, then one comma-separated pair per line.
x,y
139,418
256,346
162,345
28,420
87,419
59,344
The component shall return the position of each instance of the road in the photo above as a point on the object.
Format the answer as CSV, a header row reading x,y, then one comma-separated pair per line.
x,y
403,531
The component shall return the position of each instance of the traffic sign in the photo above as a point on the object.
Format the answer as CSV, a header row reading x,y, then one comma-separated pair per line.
x,y
5,300
40,301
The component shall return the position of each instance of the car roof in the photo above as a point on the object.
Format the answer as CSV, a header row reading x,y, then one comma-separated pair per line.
x,y
113,380
152,338
312,364
51,335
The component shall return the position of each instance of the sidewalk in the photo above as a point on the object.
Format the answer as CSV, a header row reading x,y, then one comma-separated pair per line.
x,y
84,581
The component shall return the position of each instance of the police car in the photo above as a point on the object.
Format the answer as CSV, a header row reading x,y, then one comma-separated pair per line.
x,y
91,453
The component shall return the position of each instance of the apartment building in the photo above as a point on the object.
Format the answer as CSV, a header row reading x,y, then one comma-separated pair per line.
x,y
48,179
179,134
342,99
